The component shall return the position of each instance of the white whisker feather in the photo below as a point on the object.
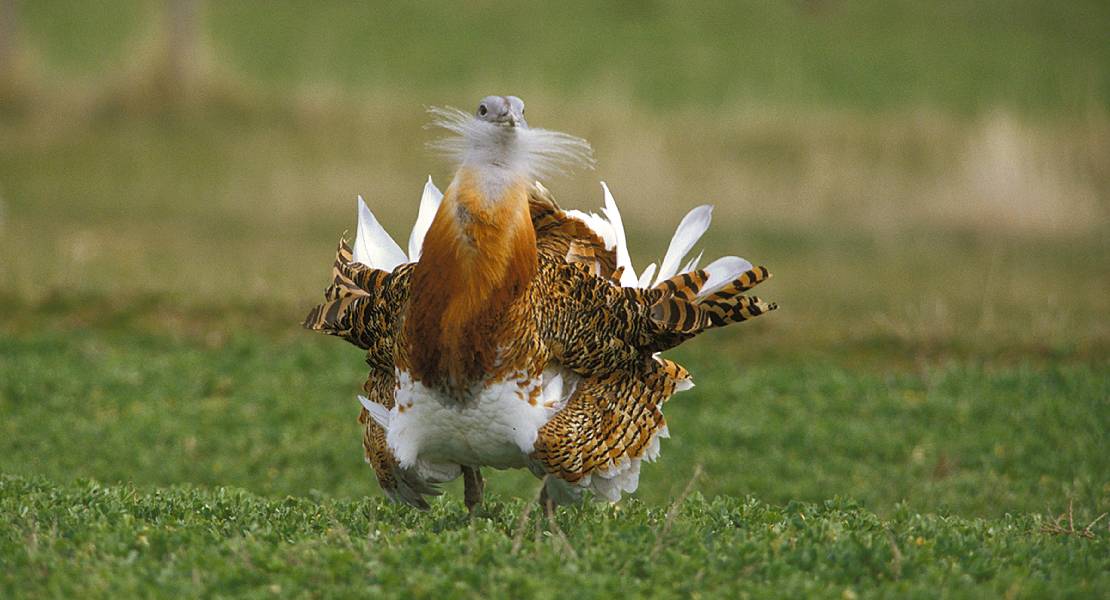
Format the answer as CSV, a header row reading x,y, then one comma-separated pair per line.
x,y
538,153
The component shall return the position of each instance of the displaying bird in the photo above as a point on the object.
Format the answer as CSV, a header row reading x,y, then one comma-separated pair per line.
x,y
516,334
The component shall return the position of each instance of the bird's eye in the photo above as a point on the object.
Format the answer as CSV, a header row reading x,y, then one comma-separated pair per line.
x,y
482,110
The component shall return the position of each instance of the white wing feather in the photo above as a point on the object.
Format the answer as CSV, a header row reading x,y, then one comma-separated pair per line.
x,y
373,245
611,229
429,204
379,413
645,277
693,264
687,234
597,224
628,277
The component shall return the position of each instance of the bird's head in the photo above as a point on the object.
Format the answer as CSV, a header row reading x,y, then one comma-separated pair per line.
x,y
503,111
497,137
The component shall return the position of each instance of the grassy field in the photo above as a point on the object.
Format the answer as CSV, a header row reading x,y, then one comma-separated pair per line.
x,y
277,416
928,183
90,540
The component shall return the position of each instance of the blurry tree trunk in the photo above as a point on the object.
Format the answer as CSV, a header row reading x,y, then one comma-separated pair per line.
x,y
182,43
9,27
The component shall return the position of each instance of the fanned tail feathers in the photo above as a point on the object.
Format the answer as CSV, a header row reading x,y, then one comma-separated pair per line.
x,y
729,305
683,307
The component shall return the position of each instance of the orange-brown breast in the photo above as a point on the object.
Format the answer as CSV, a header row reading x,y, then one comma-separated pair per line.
x,y
478,259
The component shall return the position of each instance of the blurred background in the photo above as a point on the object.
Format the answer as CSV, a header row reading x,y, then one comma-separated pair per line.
x,y
928,181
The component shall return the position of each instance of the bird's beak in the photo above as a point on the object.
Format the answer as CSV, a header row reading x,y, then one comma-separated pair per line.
x,y
511,120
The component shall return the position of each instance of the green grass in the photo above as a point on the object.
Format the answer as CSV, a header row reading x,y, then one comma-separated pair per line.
x,y
277,417
90,540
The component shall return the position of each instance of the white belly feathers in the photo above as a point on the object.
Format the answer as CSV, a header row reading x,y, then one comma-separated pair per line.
x,y
497,427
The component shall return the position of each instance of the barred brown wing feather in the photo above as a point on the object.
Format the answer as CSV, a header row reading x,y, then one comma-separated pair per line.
x,y
684,285
560,238
610,419
362,305
723,307
593,326
746,281
678,315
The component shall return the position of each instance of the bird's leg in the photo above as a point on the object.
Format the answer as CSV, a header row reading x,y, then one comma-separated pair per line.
x,y
544,499
473,487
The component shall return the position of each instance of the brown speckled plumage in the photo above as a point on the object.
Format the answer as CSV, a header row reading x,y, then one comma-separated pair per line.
x,y
572,314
